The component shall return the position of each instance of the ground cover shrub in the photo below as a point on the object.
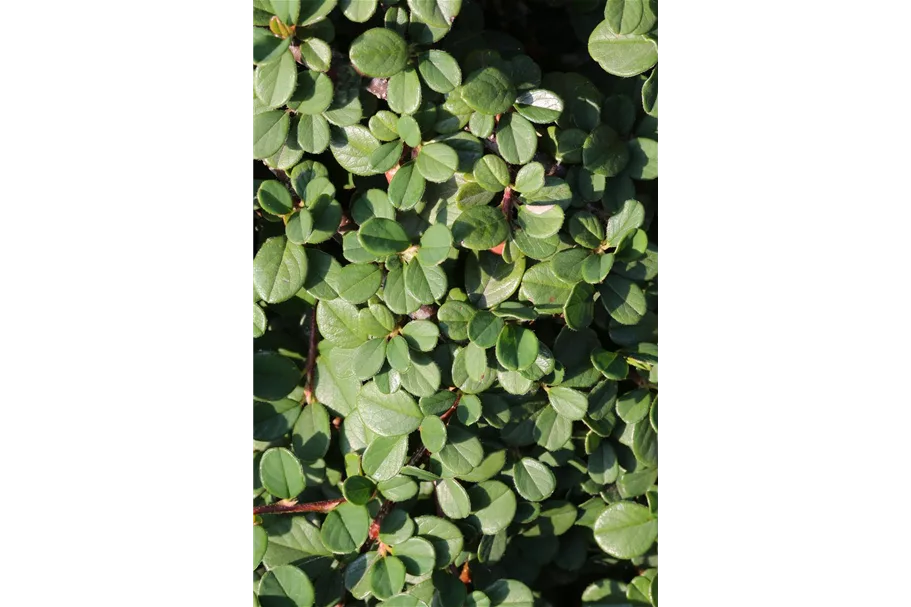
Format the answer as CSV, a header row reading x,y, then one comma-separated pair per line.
x,y
455,303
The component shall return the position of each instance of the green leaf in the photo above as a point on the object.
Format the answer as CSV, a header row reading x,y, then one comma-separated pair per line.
x,y
272,375
359,282
369,358
611,364
469,410
535,248
311,434
539,105
358,490
352,147
269,132
421,335
643,158
336,385
555,191
556,518
530,178
383,236
423,376
626,530
603,467
481,125
472,194
274,82
387,577
480,227
623,299
516,138
493,506
397,354
445,537
313,94
281,473
425,284
437,162
396,295
403,92
285,586
386,156
436,243
337,321
274,197
645,443
345,528
567,265
433,433
596,267
388,415
372,203
454,317
299,229
475,358
407,186
650,94
541,287
627,219
453,499
517,347
385,456
273,419
462,452
316,54
604,152
569,403
439,70
397,527
631,16
551,430
492,174
436,13
259,321
540,221
417,554
509,593
268,47
383,125
260,543
534,481
586,229
633,406
489,91
357,574
579,311
396,18
622,54
279,269
314,11
484,328
358,11
379,52
409,130
437,404
398,489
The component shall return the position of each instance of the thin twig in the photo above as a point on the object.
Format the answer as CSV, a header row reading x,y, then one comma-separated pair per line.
x,y
311,357
290,508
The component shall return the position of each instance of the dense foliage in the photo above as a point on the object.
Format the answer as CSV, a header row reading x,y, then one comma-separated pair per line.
x,y
455,303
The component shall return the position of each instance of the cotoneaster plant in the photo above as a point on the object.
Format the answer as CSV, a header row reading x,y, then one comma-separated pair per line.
x,y
455,303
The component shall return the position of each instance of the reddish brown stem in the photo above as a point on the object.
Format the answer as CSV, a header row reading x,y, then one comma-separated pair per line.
x,y
506,205
281,508
311,357
465,577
